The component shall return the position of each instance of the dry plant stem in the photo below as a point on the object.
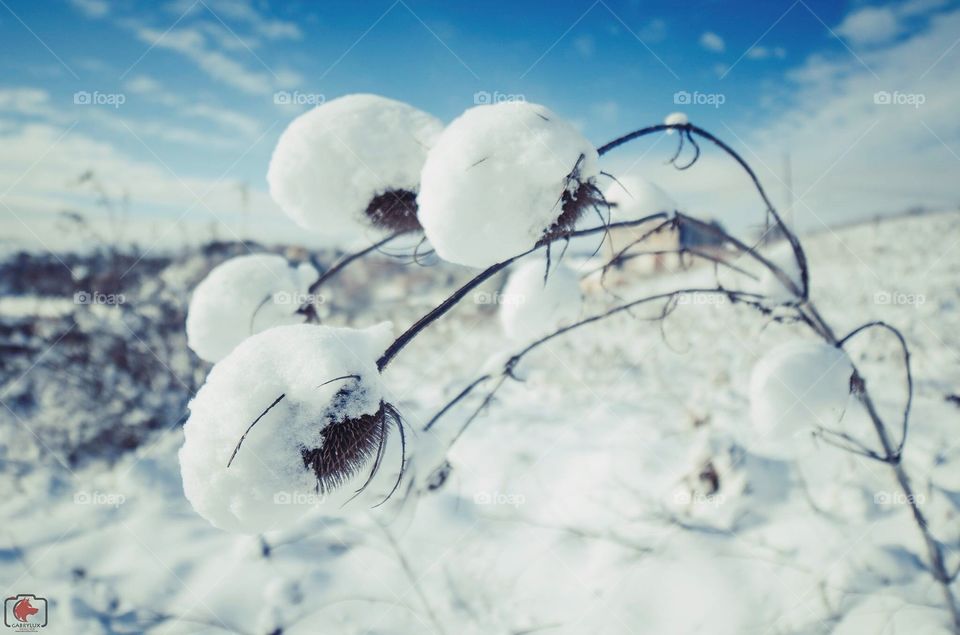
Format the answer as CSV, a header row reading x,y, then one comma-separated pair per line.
x,y
692,129
310,307
517,357
437,312
892,456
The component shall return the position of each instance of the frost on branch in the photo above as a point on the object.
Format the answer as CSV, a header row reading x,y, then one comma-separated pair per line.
x,y
243,296
799,385
329,436
501,178
352,164
530,307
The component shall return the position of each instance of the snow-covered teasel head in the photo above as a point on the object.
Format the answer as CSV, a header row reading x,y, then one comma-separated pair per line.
x,y
293,418
502,178
531,307
798,386
353,164
243,296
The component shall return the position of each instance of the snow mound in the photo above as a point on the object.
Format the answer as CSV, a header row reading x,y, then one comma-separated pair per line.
x,y
332,163
634,197
796,386
530,309
498,178
268,484
243,296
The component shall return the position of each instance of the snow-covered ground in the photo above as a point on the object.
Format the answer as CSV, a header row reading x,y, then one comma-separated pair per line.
x,y
620,489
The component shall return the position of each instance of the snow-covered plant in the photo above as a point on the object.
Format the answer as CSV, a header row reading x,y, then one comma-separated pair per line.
x,y
504,181
292,418
243,296
503,178
352,165
534,304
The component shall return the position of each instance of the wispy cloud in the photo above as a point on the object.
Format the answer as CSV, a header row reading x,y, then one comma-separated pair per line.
x,y
712,42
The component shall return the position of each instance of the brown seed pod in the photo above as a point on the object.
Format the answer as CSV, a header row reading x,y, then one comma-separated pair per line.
x,y
578,196
348,446
394,211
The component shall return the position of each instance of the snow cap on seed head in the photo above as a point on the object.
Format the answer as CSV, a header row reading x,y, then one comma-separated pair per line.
x,y
798,386
352,164
270,482
243,296
500,178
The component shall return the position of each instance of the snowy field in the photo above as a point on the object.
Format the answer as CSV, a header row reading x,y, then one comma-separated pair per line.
x,y
620,488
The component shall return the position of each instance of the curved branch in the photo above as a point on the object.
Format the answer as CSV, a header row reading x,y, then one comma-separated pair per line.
x,y
689,128
437,312
906,364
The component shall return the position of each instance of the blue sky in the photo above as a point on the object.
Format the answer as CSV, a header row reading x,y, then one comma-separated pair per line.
x,y
185,91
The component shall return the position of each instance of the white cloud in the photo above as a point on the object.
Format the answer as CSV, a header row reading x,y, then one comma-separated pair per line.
x,y
852,158
712,42
870,26
92,8
218,65
41,162
242,11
